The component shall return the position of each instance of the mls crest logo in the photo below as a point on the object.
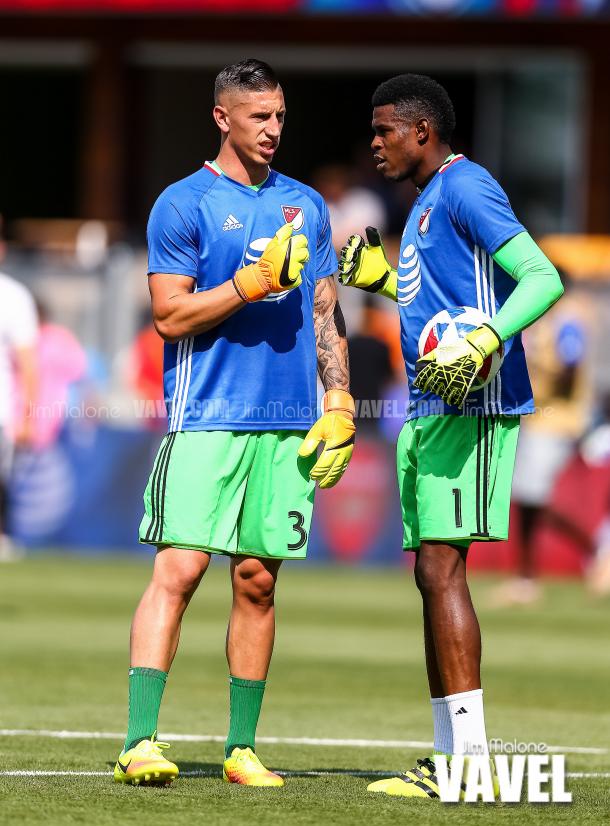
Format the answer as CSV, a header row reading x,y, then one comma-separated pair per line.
x,y
424,221
293,215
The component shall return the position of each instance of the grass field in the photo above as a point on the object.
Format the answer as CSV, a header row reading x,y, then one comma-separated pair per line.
x,y
348,665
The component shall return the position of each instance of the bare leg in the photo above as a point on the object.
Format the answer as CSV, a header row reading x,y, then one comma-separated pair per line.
x,y
530,515
434,677
155,629
450,622
251,629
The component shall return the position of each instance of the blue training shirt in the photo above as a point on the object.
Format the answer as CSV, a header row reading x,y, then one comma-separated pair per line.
x,y
257,369
458,221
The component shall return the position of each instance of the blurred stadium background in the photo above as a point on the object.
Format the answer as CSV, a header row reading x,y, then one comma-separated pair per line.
x,y
104,103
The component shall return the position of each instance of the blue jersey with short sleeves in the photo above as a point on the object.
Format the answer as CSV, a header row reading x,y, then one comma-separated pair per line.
x,y
458,221
257,369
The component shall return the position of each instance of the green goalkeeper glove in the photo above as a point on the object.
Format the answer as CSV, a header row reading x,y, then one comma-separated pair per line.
x,y
450,370
366,266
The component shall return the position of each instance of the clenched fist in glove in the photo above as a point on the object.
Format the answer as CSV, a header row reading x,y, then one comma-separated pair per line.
x,y
279,268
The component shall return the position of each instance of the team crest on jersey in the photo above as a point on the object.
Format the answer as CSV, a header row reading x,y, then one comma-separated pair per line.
x,y
424,221
294,215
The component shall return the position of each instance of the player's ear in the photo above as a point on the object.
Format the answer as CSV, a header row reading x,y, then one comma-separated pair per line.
x,y
221,116
422,130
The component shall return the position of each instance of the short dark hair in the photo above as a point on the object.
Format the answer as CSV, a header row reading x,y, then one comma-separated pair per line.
x,y
418,96
250,75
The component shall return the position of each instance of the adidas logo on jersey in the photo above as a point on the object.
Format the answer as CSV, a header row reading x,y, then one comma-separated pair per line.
x,y
232,223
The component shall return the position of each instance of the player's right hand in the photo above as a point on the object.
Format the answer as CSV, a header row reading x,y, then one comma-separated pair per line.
x,y
279,268
365,265
449,370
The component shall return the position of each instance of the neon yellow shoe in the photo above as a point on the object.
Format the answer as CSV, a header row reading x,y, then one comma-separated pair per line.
x,y
144,765
422,782
418,782
243,766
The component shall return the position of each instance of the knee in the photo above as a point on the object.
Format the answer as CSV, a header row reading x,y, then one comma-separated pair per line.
x,y
180,580
433,575
254,583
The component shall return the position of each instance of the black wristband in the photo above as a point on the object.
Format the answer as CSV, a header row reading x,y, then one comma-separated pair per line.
x,y
238,291
489,327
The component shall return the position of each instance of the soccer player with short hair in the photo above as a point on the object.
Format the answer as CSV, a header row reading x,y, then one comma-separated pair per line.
x,y
462,246
241,271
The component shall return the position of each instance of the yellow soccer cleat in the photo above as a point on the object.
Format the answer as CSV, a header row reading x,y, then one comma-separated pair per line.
x,y
145,765
243,766
418,782
422,782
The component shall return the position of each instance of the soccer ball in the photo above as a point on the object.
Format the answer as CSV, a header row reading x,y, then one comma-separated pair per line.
x,y
450,325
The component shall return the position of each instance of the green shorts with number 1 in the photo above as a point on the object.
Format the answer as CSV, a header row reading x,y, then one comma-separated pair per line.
x,y
231,492
454,476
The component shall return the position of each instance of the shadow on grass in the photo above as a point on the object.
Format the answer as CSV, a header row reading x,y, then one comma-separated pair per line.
x,y
193,770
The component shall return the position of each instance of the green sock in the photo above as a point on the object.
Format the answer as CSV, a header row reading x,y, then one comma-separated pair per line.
x,y
145,692
245,700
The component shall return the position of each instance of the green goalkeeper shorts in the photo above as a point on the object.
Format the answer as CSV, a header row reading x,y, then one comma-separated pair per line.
x,y
231,493
455,475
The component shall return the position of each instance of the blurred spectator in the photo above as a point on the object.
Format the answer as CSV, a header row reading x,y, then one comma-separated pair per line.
x,y
382,321
370,368
352,208
18,330
559,359
595,450
145,374
61,362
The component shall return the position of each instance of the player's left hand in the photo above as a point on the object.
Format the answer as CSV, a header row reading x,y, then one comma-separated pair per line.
x,y
450,370
337,430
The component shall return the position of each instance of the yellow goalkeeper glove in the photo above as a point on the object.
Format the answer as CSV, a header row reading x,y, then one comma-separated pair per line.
x,y
336,429
366,266
449,370
279,268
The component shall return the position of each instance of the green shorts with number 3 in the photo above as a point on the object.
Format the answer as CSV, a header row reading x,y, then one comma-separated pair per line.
x,y
455,475
226,492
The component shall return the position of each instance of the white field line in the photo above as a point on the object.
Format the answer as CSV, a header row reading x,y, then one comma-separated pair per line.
x,y
288,741
305,773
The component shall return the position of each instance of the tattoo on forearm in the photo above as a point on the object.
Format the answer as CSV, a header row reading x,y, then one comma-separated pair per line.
x,y
331,341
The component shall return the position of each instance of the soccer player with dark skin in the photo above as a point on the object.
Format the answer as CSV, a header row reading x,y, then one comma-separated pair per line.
x,y
462,248
238,477
454,664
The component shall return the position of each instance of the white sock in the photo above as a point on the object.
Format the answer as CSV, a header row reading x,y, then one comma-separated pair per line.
x,y
443,734
467,722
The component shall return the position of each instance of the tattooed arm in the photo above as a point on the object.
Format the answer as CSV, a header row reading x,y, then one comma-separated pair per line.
x,y
331,340
335,427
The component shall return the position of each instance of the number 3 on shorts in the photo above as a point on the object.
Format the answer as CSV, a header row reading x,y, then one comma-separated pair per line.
x,y
300,531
